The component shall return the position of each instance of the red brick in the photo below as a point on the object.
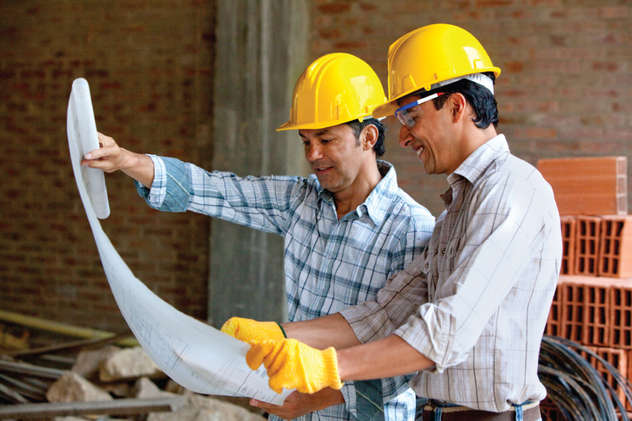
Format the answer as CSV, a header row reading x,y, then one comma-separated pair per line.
x,y
587,245
334,8
588,186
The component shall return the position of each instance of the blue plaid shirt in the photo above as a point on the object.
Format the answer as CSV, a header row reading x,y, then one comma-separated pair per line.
x,y
330,264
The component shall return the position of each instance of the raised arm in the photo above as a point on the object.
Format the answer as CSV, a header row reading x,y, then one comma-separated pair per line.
x,y
110,157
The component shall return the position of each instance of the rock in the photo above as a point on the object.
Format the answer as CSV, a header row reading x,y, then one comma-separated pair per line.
x,y
146,389
128,364
174,387
71,387
88,362
118,389
200,408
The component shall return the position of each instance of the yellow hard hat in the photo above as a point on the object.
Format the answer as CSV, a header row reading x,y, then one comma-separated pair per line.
x,y
334,89
427,56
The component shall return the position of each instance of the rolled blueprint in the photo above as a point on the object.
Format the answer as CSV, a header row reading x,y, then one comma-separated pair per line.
x,y
194,354
80,124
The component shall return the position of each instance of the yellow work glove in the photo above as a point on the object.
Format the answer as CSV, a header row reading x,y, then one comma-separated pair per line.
x,y
293,365
249,330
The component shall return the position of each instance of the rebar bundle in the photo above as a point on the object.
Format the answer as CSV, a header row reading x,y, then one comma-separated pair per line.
x,y
577,388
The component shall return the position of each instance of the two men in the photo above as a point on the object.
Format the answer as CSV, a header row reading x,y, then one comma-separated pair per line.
x,y
347,228
467,316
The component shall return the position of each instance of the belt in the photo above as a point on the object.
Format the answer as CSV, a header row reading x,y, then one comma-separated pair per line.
x,y
530,413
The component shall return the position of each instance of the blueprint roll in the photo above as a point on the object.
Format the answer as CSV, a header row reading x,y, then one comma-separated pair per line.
x,y
82,138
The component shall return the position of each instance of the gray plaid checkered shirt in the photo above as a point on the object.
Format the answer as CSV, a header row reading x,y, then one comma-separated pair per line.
x,y
476,301
329,263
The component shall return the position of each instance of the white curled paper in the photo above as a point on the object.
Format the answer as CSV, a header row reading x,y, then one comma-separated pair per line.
x,y
194,354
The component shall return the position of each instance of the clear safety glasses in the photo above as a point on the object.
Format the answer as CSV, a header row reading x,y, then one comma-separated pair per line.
x,y
408,113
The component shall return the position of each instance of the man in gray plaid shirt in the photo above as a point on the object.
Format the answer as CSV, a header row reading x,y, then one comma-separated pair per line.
x,y
467,316
347,228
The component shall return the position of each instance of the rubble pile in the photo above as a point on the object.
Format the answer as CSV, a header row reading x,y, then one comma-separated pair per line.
x,y
117,383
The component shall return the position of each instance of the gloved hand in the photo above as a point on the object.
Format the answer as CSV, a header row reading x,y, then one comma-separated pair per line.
x,y
293,365
249,330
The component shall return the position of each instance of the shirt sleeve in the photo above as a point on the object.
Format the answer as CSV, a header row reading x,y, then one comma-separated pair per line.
x,y
263,203
400,297
503,229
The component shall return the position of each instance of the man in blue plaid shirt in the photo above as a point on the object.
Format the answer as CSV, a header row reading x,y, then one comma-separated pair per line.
x,y
347,228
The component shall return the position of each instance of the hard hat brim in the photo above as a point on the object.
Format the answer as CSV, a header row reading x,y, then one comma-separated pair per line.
x,y
318,125
389,108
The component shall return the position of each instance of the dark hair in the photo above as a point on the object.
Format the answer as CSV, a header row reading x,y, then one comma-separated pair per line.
x,y
357,127
479,97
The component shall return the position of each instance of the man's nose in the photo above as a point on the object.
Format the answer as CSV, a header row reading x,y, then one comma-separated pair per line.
x,y
404,136
313,153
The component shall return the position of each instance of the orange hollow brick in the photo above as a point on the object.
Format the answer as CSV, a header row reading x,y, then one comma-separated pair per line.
x,y
587,245
572,312
615,357
620,305
628,403
585,311
568,245
597,311
615,246
554,321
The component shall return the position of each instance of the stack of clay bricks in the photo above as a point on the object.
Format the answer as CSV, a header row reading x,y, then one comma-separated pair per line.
x,y
593,301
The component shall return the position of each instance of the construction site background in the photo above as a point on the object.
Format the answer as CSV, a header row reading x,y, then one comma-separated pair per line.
x,y
565,90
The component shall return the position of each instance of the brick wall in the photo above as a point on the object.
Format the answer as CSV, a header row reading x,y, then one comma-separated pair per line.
x,y
149,69
566,87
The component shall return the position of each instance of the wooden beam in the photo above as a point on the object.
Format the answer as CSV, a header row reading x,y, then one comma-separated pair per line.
x,y
58,327
113,407
67,346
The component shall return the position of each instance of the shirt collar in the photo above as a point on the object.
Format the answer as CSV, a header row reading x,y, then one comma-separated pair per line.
x,y
381,194
475,164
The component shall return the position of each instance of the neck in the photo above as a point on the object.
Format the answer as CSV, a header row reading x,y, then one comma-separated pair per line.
x,y
351,197
472,140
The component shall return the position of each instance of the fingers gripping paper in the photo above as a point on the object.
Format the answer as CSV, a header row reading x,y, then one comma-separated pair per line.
x,y
194,354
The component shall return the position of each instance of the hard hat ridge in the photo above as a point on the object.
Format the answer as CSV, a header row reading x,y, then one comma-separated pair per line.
x,y
336,88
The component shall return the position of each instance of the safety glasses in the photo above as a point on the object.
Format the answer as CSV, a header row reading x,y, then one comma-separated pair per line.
x,y
407,114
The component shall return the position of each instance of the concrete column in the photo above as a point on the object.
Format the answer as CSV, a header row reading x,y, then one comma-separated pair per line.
x,y
261,49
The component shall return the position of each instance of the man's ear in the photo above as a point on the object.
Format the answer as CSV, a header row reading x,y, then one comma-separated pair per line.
x,y
458,106
368,137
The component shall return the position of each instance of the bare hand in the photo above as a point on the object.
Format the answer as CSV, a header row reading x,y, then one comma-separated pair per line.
x,y
297,404
111,157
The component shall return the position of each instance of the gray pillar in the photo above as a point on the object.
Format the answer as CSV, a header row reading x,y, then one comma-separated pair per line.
x,y
261,49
